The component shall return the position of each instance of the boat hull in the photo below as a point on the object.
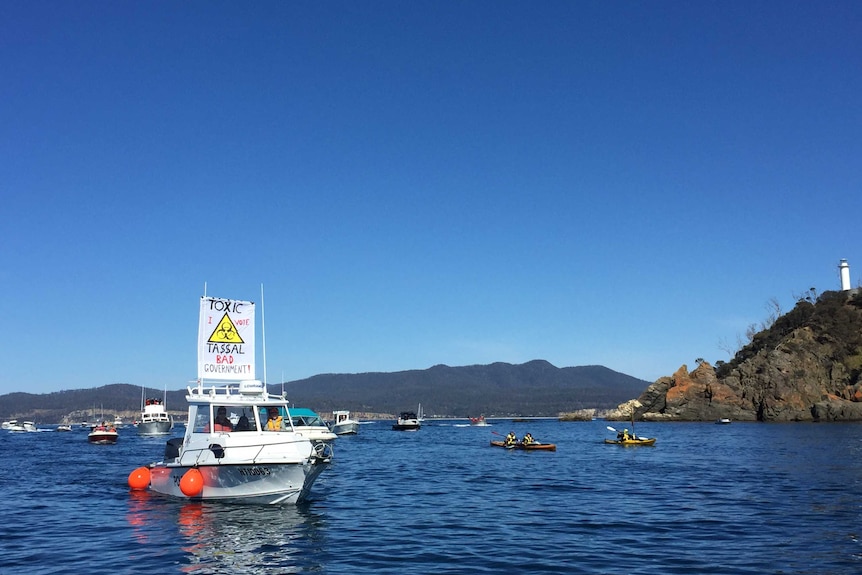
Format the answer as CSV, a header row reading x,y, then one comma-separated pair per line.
x,y
527,446
155,427
102,437
264,483
345,428
406,427
628,442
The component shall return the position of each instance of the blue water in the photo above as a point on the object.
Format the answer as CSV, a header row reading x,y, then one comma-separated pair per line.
x,y
736,499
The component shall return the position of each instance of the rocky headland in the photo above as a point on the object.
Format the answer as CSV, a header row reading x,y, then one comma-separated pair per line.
x,y
806,366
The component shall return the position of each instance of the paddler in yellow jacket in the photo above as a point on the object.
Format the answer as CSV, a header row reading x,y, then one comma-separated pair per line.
x,y
511,438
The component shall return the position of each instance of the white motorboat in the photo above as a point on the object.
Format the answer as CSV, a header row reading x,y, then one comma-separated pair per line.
x,y
479,421
342,424
310,424
16,426
64,428
155,419
407,421
104,434
242,462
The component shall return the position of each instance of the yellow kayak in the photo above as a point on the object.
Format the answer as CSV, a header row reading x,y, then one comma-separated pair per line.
x,y
638,441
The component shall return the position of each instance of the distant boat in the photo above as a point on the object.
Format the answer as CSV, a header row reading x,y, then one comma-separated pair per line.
x,y
15,426
342,424
479,421
407,421
155,419
722,421
103,435
64,428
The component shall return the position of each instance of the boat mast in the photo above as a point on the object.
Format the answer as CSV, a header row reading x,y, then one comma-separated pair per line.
x,y
263,332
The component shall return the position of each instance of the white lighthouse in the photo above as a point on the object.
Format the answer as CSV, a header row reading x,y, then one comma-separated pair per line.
x,y
844,272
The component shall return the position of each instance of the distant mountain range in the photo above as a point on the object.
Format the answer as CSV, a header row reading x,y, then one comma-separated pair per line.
x,y
535,388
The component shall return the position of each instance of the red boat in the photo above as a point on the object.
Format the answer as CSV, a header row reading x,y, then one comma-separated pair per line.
x,y
535,446
103,435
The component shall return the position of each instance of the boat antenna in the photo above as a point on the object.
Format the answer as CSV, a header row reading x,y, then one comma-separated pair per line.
x,y
263,331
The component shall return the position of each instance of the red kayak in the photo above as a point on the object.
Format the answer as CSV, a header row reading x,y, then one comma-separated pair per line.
x,y
526,446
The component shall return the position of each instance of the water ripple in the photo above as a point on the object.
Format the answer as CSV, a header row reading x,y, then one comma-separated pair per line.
x,y
739,499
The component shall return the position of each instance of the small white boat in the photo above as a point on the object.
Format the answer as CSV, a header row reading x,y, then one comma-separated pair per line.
x,y
259,459
407,421
16,426
722,421
342,424
479,421
309,424
104,434
64,428
155,419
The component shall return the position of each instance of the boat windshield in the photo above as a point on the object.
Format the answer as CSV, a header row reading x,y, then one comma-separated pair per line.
x,y
272,418
307,421
222,418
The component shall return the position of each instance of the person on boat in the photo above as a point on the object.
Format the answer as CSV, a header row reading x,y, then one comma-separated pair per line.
x,y
243,424
511,438
623,435
274,420
222,423
528,439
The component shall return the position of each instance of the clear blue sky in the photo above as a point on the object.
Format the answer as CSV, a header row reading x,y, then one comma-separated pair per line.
x,y
623,184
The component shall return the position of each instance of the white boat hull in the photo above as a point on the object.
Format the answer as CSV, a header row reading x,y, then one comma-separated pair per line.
x,y
345,428
265,483
155,428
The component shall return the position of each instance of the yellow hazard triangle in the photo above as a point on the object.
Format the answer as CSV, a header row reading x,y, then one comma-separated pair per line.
x,y
225,332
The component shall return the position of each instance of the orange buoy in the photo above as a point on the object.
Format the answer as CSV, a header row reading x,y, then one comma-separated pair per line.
x,y
139,478
192,482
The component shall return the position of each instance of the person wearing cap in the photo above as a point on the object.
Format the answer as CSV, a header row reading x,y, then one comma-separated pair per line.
x,y
274,420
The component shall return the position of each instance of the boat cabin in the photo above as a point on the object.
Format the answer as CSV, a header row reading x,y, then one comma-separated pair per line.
x,y
247,407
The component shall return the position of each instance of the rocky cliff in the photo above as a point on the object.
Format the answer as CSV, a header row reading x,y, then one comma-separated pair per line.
x,y
807,366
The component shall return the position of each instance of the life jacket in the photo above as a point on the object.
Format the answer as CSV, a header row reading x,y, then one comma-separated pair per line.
x,y
274,424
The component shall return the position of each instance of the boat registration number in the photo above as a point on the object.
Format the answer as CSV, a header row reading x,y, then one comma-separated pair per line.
x,y
249,471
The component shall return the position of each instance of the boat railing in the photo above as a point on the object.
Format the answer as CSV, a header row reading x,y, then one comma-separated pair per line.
x,y
219,450
223,391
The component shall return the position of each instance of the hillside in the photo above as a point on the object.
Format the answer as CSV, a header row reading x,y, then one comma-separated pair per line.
x,y
535,388
807,366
